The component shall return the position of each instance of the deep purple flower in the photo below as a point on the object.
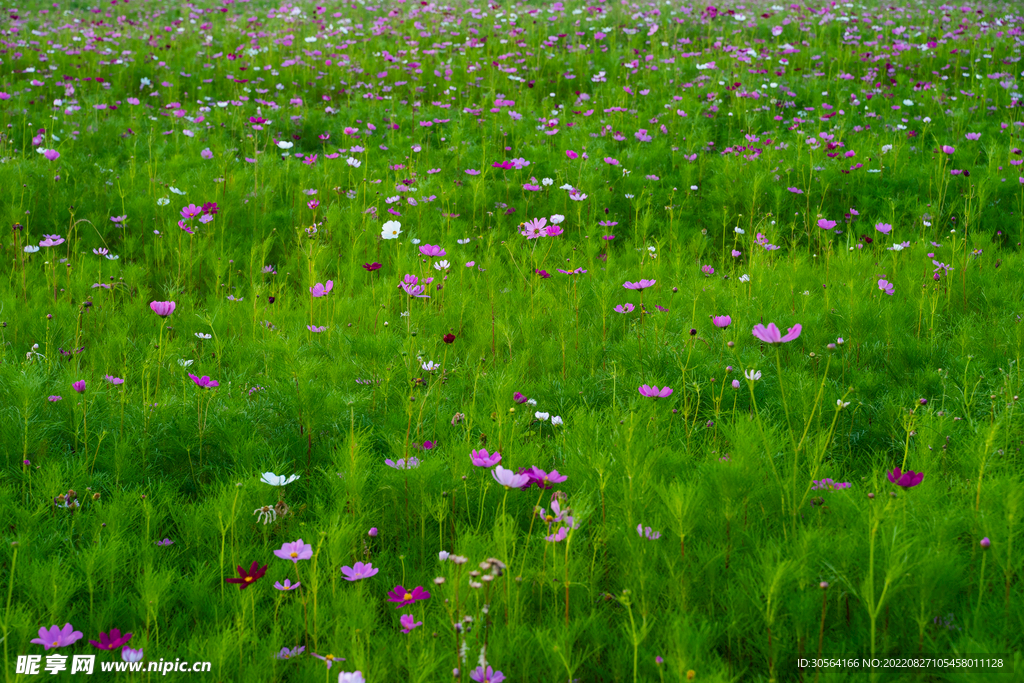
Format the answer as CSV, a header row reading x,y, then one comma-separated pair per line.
x,y
371,266
405,597
113,641
519,398
905,479
204,381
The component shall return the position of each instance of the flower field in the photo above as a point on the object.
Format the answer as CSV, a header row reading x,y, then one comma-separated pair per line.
x,y
579,342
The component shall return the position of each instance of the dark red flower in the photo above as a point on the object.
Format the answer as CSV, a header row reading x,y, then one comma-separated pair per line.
x,y
448,338
246,579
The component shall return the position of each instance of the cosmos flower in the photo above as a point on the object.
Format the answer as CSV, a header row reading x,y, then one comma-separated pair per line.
x,y
406,597
772,335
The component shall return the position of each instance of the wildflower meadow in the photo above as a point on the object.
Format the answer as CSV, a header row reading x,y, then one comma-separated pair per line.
x,y
495,341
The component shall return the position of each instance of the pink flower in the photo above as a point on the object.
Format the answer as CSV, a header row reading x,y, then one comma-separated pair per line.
x,y
409,623
571,154
191,211
611,162
642,284
947,149
508,478
722,321
432,250
826,225
654,392
79,386
772,335
51,154
295,551
318,290
57,637
883,228
482,458
359,571
886,287
162,308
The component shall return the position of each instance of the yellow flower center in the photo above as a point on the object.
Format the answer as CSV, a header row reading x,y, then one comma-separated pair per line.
x,y
294,555
549,519
407,596
329,658
248,579
54,644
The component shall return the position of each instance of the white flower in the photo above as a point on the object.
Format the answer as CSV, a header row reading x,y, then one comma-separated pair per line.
x,y
442,265
175,190
414,241
744,278
276,480
909,103
752,375
693,187
203,336
556,219
739,231
430,366
886,148
567,186
163,201
185,363
531,401
841,403
391,230
353,162
556,420
541,416
267,514
285,145
310,39
31,249
547,181
464,240
443,555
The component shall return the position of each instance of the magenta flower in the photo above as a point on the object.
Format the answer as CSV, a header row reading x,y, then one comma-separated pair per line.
x,y
611,162
295,551
886,287
627,308
826,225
113,641
947,149
204,381
162,308
359,571
79,386
409,623
404,597
191,211
482,458
318,290
542,479
51,154
642,284
57,637
553,230
771,334
905,479
654,392
519,398
371,266
571,154
488,675
721,321
508,478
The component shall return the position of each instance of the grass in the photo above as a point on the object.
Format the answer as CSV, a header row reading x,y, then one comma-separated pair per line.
x,y
749,564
